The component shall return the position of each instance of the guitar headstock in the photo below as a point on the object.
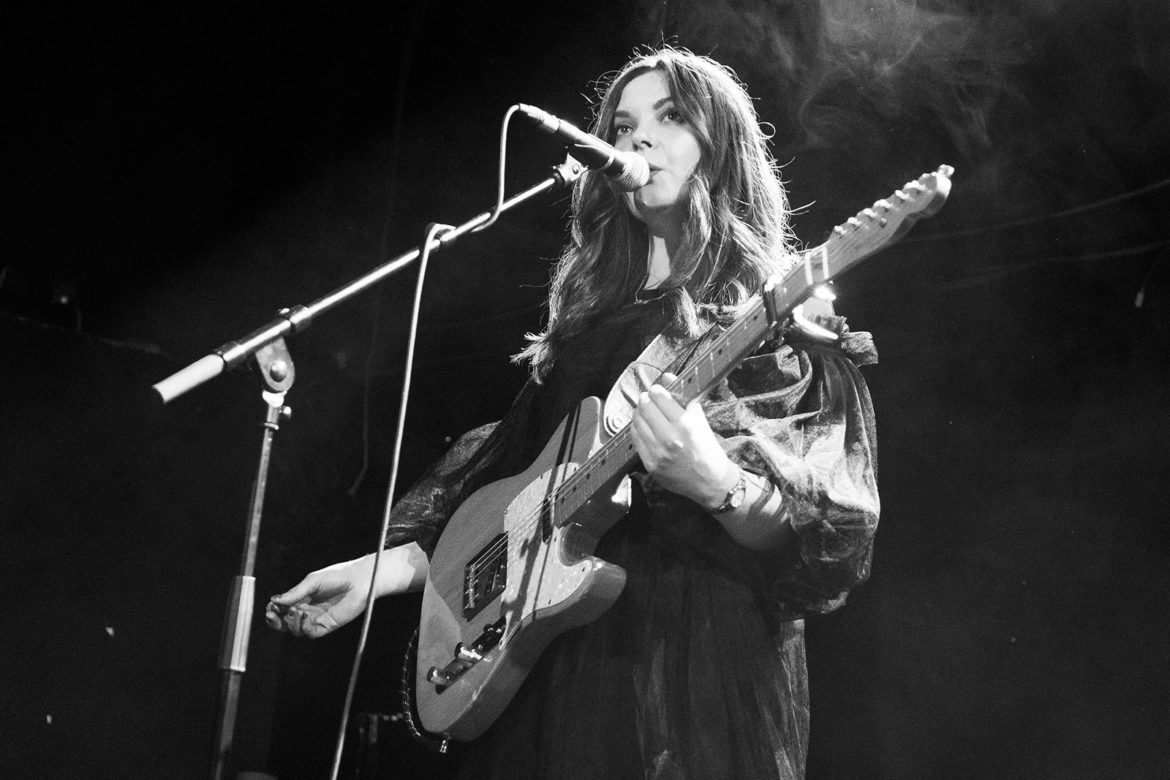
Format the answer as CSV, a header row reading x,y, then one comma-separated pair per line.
x,y
860,236
888,219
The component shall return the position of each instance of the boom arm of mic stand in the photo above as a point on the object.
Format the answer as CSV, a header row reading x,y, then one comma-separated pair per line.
x,y
297,318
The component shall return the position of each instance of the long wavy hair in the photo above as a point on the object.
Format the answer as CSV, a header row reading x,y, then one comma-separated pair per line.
x,y
736,233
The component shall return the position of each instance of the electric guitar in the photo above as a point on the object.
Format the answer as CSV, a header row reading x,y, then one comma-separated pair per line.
x,y
514,566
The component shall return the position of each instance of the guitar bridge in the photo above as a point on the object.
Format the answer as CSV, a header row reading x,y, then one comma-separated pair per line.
x,y
466,657
485,576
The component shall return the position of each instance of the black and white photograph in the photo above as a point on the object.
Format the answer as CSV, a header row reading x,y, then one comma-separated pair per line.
x,y
588,390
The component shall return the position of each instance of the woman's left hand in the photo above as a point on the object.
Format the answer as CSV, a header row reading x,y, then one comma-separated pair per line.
x,y
678,447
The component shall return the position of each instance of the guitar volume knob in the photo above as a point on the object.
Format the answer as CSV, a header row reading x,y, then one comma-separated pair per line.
x,y
437,676
464,653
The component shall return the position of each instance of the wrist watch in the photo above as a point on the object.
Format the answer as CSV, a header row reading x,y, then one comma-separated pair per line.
x,y
735,495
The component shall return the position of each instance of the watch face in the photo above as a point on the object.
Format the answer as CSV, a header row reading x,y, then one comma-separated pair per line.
x,y
735,496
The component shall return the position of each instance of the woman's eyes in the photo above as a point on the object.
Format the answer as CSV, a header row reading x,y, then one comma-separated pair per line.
x,y
669,116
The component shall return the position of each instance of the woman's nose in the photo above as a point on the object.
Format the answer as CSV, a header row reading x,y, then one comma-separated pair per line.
x,y
641,138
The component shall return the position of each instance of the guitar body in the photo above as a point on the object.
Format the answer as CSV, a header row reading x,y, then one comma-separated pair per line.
x,y
541,564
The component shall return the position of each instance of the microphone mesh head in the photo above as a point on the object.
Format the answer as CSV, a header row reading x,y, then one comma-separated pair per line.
x,y
634,174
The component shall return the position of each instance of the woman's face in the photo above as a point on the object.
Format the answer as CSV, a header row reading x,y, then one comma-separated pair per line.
x,y
647,122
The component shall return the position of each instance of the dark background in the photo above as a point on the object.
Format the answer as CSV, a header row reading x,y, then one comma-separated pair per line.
x,y
172,178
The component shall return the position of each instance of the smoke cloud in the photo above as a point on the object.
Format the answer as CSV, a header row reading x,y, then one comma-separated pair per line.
x,y
838,67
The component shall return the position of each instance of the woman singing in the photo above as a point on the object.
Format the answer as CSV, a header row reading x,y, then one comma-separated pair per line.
x,y
751,507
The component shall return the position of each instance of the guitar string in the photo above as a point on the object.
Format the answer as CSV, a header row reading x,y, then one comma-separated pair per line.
x,y
564,491
527,523
530,521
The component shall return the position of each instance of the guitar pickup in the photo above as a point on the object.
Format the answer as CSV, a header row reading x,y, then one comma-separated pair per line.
x,y
485,576
466,657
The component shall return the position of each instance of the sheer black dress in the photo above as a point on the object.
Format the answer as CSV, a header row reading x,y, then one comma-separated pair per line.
x,y
698,670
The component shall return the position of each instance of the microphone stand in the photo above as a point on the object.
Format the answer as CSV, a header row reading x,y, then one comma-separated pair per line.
x,y
277,372
296,318
266,344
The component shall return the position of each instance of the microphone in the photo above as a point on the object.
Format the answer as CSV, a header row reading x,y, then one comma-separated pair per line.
x,y
628,170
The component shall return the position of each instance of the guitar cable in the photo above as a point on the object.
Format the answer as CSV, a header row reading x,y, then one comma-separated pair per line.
x,y
434,230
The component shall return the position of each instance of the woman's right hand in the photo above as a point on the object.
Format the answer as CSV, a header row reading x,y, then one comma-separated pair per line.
x,y
323,601
329,598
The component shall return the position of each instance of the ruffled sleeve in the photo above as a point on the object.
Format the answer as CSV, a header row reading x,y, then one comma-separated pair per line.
x,y
475,459
801,415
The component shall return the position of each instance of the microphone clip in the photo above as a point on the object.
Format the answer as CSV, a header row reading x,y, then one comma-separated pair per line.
x,y
569,171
